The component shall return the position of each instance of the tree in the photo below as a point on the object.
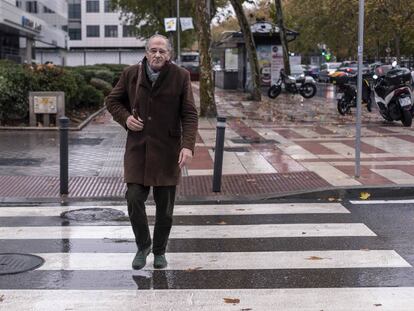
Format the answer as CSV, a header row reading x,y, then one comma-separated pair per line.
x,y
207,102
148,16
250,47
282,32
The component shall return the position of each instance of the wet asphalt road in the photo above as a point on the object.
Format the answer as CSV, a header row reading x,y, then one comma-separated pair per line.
x,y
234,247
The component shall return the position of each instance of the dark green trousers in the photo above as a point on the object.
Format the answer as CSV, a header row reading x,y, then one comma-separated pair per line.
x,y
164,197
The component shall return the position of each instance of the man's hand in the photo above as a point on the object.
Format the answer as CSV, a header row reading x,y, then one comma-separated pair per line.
x,y
186,155
134,124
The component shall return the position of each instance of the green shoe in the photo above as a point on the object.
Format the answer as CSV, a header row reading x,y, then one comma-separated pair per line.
x,y
160,261
140,258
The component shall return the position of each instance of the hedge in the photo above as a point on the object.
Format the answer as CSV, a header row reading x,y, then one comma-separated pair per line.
x,y
84,86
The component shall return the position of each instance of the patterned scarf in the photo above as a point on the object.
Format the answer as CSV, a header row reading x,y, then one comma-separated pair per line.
x,y
152,75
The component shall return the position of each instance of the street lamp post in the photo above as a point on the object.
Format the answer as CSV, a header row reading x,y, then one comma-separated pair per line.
x,y
178,34
359,93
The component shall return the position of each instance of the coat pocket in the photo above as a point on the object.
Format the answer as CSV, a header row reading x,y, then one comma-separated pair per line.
x,y
175,133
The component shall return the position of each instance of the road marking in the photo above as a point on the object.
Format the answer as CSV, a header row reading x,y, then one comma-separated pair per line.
x,y
191,232
381,201
189,210
231,260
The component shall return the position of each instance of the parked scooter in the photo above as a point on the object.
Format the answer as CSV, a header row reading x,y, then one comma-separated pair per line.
x,y
305,86
393,93
346,92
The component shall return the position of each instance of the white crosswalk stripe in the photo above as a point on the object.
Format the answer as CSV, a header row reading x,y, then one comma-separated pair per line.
x,y
58,284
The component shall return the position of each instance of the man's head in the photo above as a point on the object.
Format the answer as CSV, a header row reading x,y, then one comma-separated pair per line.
x,y
158,51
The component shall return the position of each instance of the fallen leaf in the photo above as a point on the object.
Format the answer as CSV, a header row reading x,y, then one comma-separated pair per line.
x,y
248,309
1,298
377,304
364,249
194,269
331,199
231,300
364,195
222,223
314,258
240,209
251,180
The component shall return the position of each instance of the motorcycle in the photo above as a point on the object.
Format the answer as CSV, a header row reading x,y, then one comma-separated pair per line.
x,y
346,92
393,93
304,85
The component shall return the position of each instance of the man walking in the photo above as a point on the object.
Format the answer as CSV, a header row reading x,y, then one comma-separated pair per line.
x,y
154,102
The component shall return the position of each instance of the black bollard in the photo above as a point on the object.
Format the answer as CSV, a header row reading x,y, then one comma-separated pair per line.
x,y
64,155
218,154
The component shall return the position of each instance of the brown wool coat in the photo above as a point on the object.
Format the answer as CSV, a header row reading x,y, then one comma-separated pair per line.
x,y
170,122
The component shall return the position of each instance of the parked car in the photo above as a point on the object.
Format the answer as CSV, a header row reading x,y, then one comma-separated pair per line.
x,y
191,62
325,70
312,70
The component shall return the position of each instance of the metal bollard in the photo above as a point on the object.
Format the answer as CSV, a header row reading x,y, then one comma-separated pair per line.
x,y
64,155
218,156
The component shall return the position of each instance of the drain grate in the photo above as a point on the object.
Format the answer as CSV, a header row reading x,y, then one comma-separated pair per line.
x,y
91,214
17,263
85,141
21,162
255,140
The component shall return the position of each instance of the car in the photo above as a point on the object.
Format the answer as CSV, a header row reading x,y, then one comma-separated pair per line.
x,y
325,70
191,62
297,71
312,70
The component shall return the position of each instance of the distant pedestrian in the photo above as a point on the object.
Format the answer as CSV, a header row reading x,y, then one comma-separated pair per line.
x,y
153,101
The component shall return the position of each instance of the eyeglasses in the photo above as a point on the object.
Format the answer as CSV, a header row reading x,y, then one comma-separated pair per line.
x,y
154,51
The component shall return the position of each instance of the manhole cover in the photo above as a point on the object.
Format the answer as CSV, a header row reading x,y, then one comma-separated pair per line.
x,y
20,162
90,214
85,141
18,263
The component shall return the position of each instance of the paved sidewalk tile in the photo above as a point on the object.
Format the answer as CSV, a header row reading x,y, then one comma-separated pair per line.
x,y
279,137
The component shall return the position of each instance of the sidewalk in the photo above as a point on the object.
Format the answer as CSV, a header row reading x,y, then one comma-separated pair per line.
x,y
272,148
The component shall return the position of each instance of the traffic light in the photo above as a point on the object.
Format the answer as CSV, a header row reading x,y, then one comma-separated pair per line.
x,y
323,52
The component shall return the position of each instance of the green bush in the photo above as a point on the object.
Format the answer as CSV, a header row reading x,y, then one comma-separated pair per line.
x,y
90,97
101,85
105,75
15,84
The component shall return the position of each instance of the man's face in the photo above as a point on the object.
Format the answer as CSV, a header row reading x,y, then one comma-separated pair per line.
x,y
157,53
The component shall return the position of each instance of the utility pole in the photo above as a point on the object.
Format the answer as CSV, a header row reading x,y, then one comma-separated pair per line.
x,y
178,34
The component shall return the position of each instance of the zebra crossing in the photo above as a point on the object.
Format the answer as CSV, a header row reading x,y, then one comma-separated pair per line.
x,y
290,256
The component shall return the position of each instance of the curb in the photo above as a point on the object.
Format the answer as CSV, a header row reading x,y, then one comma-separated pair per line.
x,y
324,195
53,128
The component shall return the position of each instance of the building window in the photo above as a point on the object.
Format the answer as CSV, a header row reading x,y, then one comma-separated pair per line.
x,y
31,7
128,31
19,3
65,28
92,6
92,31
111,31
47,10
74,11
75,34
107,6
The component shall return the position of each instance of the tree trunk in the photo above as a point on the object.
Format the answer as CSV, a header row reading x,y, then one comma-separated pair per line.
x,y
207,102
282,31
397,46
251,49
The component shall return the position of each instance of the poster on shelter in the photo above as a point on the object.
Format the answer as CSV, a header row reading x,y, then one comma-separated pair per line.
x,y
264,57
276,62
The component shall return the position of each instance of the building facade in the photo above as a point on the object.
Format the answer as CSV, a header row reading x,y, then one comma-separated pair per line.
x,y
27,26
98,35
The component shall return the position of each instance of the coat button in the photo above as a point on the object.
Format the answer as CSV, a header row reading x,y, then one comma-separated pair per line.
x,y
149,118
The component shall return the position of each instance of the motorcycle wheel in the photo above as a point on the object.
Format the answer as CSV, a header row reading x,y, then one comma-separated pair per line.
x,y
274,91
386,116
308,90
407,118
343,107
